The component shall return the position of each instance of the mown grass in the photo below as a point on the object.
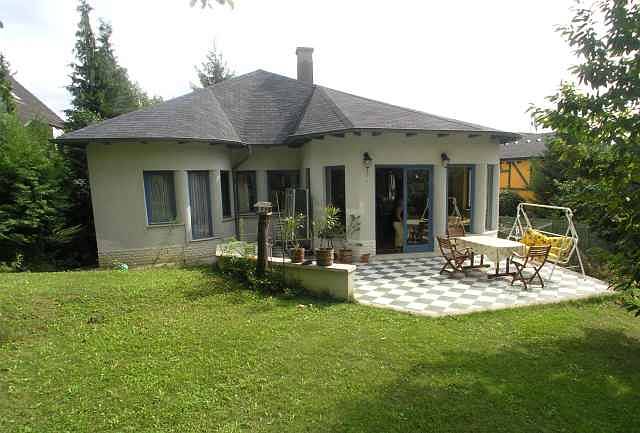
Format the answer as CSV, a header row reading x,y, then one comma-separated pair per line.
x,y
183,350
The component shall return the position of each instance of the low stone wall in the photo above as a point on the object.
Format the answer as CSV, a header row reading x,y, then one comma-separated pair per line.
x,y
335,281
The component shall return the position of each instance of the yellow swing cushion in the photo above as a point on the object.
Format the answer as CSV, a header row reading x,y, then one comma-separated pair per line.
x,y
560,245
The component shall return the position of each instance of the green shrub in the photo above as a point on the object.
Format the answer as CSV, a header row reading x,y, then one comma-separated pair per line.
x,y
237,261
509,201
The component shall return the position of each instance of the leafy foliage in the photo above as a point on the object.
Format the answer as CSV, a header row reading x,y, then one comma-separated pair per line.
x,y
327,226
290,228
32,196
214,69
207,3
7,104
509,202
597,128
100,89
237,260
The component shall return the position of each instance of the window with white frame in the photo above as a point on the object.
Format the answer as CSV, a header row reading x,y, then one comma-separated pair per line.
x,y
160,197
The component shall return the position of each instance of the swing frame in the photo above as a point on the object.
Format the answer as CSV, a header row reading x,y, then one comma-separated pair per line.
x,y
518,230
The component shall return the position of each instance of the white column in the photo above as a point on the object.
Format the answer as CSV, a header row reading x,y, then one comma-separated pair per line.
x,y
261,186
182,201
496,196
439,201
216,202
480,198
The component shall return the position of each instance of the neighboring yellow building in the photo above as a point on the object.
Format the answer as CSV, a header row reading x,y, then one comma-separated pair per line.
x,y
516,163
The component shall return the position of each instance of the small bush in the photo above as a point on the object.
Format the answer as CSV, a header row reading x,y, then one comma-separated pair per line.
x,y
243,270
509,201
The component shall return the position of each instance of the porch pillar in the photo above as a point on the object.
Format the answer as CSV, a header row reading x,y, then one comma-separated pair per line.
x,y
261,186
439,202
183,207
480,198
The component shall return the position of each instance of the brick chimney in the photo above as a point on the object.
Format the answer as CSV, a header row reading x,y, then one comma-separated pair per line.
x,y
305,64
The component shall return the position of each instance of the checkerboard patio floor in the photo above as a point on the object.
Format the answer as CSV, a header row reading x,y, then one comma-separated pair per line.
x,y
415,285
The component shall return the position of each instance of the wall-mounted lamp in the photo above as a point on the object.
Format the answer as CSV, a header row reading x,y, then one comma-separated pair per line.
x,y
445,159
367,161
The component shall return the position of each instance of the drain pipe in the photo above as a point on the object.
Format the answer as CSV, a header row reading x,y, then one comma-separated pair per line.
x,y
234,167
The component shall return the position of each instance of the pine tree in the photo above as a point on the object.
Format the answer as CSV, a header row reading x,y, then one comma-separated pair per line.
x,y
214,69
100,89
7,104
86,96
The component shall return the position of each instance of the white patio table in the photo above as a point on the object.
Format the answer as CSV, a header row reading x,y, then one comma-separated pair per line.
x,y
494,248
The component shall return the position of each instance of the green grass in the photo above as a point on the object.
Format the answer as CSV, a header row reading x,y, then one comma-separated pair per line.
x,y
182,350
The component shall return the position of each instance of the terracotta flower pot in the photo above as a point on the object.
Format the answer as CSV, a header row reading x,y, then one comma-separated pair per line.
x,y
297,255
346,256
365,258
324,256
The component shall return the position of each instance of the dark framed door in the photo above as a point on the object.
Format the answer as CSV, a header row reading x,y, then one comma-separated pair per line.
x,y
404,208
418,208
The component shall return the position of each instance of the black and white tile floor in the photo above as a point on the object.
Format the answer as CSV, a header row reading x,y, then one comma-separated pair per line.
x,y
415,286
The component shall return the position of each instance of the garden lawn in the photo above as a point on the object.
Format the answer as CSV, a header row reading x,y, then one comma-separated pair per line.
x,y
183,350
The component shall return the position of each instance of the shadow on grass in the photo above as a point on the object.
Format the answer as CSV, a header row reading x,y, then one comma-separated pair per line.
x,y
582,384
214,283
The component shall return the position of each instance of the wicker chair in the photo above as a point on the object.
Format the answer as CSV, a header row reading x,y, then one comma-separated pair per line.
x,y
454,259
535,259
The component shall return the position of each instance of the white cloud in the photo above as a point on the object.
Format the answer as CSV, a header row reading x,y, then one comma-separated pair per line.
x,y
481,62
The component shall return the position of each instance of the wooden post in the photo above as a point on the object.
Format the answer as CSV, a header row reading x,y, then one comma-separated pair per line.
x,y
264,222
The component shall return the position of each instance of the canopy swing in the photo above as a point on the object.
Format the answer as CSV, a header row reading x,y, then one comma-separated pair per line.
x,y
563,246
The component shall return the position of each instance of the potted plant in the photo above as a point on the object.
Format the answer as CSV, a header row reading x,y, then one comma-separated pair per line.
x,y
325,228
290,227
345,253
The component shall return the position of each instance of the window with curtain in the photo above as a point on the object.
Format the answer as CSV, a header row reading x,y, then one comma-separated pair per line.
x,y
247,194
200,204
335,189
225,193
491,197
160,197
277,182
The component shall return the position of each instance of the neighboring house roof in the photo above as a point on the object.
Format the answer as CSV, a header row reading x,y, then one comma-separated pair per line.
x,y
527,146
28,107
265,108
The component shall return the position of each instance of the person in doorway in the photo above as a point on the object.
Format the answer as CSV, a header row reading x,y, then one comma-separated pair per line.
x,y
398,225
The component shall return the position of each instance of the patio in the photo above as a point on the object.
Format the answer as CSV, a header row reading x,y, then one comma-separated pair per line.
x,y
415,286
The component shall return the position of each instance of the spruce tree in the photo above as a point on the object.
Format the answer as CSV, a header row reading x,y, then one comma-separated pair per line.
x,y
7,104
214,69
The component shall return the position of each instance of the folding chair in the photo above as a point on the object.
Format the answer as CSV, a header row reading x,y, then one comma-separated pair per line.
x,y
453,258
535,259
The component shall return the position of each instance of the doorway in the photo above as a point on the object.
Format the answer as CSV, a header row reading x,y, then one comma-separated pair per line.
x,y
404,211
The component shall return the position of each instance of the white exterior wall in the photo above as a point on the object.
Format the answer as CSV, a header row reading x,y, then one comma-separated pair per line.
x,y
117,192
398,149
116,177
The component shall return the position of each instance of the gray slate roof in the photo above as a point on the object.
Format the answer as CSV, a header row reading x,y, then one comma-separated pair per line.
x,y
28,107
265,108
527,146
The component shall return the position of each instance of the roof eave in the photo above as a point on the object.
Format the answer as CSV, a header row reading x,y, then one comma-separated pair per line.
x,y
85,141
502,136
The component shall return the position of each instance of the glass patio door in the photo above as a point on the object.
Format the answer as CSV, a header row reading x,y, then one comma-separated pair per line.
x,y
418,209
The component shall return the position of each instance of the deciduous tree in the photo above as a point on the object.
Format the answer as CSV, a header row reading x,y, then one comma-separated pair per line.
x,y
597,127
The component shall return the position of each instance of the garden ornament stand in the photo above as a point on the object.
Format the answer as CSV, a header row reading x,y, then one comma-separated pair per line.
x,y
563,246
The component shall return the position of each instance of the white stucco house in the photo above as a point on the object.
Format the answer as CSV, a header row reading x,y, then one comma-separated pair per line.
x,y
171,181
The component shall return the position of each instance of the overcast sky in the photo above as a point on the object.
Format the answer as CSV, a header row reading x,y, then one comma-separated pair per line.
x,y
478,61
